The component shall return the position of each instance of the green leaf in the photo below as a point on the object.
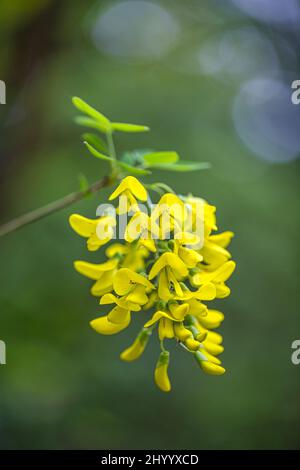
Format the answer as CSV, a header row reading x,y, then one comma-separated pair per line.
x,y
183,166
96,141
133,169
159,158
89,122
97,154
92,112
123,127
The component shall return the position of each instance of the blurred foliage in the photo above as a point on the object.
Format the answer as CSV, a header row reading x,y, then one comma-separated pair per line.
x,y
64,386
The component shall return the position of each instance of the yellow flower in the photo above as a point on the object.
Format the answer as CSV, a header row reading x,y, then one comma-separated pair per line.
x,y
161,372
214,250
170,214
130,189
202,213
132,286
163,265
142,227
171,269
101,273
165,326
97,231
188,255
216,278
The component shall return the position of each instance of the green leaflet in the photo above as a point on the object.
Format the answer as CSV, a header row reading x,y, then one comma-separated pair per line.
x,y
183,166
97,154
123,127
89,122
96,142
92,112
158,158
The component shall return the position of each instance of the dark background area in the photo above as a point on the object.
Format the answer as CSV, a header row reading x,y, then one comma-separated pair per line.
x,y
213,81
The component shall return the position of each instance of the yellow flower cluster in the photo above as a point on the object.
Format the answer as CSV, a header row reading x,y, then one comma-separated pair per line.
x,y
160,269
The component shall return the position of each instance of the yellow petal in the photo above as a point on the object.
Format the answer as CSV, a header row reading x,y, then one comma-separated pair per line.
x,y
197,308
210,250
163,287
94,271
213,348
192,344
83,226
209,218
220,275
161,372
116,249
181,332
174,283
206,292
204,355
94,242
157,316
190,257
137,295
214,337
141,225
127,203
213,259
212,369
125,279
213,319
222,239
168,201
121,302
118,315
222,290
179,311
104,285
103,326
108,299
165,328
171,260
149,244
134,228
133,185
187,238
151,301
201,336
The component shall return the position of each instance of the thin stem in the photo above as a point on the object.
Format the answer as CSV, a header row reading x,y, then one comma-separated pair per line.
x,y
53,207
111,145
112,153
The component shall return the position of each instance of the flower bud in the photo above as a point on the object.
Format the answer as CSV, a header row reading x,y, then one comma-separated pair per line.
x,y
138,346
207,366
161,372
192,344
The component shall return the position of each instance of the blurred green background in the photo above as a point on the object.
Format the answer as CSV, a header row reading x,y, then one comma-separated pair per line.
x,y
213,82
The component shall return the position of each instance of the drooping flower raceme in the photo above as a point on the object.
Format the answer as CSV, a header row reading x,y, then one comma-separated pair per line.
x,y
166,270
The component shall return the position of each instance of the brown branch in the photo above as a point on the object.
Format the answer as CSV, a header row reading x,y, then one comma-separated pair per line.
x,y
53,207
